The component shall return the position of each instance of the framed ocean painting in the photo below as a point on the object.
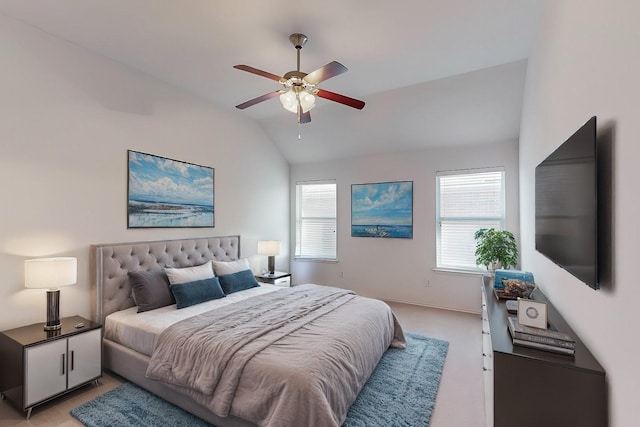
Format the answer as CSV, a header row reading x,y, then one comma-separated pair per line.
x,y
383,209
166,193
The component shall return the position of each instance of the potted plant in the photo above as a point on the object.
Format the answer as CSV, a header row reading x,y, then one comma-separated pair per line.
x,y
495,249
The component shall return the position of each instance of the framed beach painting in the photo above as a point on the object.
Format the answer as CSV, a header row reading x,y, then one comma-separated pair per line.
x,y
383,209
166,193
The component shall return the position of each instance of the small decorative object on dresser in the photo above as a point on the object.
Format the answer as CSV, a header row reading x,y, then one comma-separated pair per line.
x,y
532,313
514,289
278,278
495,248
541,339
501,274
39,365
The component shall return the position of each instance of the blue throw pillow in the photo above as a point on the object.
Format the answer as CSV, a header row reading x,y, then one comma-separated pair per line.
x,y
238,281
192,293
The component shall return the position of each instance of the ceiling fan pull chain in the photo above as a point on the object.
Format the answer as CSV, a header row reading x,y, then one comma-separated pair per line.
x,y
299,113
299,118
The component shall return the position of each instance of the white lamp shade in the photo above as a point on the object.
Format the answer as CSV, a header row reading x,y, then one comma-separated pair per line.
x,y
269,247
50,272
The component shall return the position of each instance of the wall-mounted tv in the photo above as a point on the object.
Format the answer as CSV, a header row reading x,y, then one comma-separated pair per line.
x,y
566,205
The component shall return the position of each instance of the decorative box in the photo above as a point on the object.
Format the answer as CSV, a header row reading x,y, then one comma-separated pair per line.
x,y
501,273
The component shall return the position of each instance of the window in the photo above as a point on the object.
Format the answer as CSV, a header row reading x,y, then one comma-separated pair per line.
x,y
466,202
316,220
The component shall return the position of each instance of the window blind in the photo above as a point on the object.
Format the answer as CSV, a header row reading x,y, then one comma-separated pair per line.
x,y
466,202
316,220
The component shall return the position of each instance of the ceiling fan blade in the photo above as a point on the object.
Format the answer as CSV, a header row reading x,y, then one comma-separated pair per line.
x,y
332,96
259,99
332,69
252,70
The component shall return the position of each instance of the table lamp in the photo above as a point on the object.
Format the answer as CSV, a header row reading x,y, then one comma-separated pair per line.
x,y
271,248
51,273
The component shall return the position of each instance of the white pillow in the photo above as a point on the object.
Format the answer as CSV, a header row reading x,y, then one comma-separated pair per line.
x,y
229,267
189,274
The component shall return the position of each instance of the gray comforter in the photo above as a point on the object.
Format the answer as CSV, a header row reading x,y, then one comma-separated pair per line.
x,y
295,357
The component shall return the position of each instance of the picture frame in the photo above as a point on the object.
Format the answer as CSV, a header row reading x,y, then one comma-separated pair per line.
x,y
382,209
532,313
168,193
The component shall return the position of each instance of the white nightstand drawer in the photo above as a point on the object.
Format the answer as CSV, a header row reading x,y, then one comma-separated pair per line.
x,y
283,281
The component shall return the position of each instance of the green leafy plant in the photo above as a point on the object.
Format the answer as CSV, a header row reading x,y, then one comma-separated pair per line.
x,y
495,247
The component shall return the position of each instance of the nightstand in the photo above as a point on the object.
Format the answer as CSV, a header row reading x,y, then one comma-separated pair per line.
x,y
39,365
278,278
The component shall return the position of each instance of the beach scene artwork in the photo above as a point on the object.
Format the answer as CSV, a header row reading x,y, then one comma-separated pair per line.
x,y
169,193
382,209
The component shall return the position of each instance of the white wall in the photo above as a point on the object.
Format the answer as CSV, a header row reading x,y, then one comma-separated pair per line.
x,y
585,63
67,118
398,269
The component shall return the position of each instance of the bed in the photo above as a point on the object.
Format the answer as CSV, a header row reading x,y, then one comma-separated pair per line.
x,y
305,365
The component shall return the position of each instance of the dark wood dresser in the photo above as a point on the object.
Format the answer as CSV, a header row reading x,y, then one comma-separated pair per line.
x,y
526,387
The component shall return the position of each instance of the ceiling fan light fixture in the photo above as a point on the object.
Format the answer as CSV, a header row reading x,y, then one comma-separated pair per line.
x,y
307,101
299,91
290,102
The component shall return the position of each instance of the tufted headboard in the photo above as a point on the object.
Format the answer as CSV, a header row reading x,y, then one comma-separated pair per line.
x,y
111,264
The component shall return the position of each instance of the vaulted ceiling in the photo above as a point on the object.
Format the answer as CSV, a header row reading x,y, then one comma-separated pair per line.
x,y
432,72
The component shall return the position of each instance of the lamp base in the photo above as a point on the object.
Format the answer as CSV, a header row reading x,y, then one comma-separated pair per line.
x,y
271,263
53,310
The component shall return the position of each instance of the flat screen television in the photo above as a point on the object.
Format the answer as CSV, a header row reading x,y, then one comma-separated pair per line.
x,y
566,205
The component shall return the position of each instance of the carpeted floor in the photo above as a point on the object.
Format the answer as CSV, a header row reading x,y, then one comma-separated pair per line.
x,y
400,392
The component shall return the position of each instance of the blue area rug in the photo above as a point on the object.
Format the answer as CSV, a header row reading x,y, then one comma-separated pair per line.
x,y
401,392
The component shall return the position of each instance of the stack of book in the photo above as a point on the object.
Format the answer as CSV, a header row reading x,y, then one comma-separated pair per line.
x,y
541,339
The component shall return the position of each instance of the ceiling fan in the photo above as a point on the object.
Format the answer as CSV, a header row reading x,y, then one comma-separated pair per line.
x,y
299,89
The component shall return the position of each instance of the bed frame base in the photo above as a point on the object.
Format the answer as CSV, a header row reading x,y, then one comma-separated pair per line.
x,y
132,366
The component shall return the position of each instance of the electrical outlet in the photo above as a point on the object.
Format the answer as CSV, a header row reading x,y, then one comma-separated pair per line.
x,y
341,275
427,283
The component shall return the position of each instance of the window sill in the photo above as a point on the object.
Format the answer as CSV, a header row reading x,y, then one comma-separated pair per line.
x,y
315,260
462,272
